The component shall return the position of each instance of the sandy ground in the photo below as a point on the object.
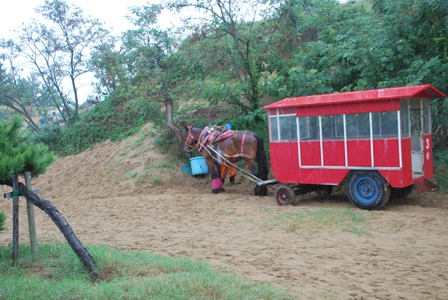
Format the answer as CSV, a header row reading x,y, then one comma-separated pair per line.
x,y
119,194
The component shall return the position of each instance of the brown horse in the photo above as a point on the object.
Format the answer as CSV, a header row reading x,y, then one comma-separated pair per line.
x,y
217,144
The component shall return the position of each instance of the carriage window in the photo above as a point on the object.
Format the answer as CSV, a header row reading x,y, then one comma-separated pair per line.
x,y
288,128
415,114
426,116
332,127
385,124
309,128
274,128
304,127
358,126
404,115
416,124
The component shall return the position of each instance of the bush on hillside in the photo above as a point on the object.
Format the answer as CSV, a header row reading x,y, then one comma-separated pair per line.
x,y
114,119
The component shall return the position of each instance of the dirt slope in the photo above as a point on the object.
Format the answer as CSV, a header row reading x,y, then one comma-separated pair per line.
x,y
121,195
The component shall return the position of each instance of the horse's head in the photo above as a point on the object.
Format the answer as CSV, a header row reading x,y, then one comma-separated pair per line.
x,y
191,140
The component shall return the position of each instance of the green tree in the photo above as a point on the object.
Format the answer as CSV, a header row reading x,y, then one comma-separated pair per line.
x,y
21,95
17,156
58,51
232,42
109,71
360,45
421,27
16,153
145,57
341,48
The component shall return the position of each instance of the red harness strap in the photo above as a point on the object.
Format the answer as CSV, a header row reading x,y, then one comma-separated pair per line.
x,y
242,142
193,144
202,138
206,137
242,154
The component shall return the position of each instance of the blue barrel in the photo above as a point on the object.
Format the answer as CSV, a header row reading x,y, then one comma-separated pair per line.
x,y
198,165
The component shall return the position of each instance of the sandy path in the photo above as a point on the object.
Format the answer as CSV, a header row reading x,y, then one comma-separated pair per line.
x,y
402,256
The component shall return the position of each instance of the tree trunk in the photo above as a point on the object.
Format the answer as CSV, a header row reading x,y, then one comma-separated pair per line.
x,y
168,101
15,223
169,122
63,226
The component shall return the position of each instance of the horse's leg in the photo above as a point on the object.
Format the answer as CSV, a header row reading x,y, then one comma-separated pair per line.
x,y
258,190
218,180
215,175
250,166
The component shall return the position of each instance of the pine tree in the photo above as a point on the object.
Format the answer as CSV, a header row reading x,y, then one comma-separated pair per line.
x,y
19,155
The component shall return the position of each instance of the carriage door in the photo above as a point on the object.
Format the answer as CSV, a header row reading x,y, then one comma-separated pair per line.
x,y
417,136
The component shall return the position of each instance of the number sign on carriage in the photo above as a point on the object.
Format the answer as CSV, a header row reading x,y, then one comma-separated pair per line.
x,y
377,141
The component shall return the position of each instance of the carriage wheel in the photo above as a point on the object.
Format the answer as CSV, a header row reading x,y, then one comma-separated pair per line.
x,y
368,190
324,191
285,195
401,192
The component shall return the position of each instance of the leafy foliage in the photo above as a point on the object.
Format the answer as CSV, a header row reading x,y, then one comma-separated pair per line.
x,y
238,53
18,95
359,46
230,43
16,153
55,54
113,119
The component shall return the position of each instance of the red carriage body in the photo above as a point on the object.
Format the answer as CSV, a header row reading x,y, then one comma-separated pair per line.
x,y
321,139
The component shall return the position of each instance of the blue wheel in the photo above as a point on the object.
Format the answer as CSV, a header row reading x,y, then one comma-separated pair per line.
x,y
368,190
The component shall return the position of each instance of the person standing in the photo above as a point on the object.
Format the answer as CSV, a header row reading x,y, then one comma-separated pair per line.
x,y
224,168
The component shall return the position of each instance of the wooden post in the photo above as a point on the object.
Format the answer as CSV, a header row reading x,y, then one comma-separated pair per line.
x,y
15,220
31,223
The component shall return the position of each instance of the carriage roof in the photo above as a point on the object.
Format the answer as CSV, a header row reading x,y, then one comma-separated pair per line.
x,y
417,91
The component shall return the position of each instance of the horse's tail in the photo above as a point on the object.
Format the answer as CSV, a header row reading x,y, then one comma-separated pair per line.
x,y
261,159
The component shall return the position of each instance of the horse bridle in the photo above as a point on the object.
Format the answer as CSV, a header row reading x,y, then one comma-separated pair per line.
x,y
194,140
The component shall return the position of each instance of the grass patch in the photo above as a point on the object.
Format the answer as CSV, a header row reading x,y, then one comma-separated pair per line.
x,y
138,153
58,274
109,169
156,179
129,175
138,141
164,164
248,220
141,179
310,222
123,153
222,212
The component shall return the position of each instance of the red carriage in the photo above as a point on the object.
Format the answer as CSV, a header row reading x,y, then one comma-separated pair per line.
x,y
378,142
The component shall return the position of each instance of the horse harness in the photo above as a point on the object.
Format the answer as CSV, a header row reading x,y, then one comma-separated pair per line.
x,y
209,136
193,138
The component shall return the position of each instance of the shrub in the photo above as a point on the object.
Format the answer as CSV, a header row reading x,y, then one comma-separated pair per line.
x,y
2,221
113,119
